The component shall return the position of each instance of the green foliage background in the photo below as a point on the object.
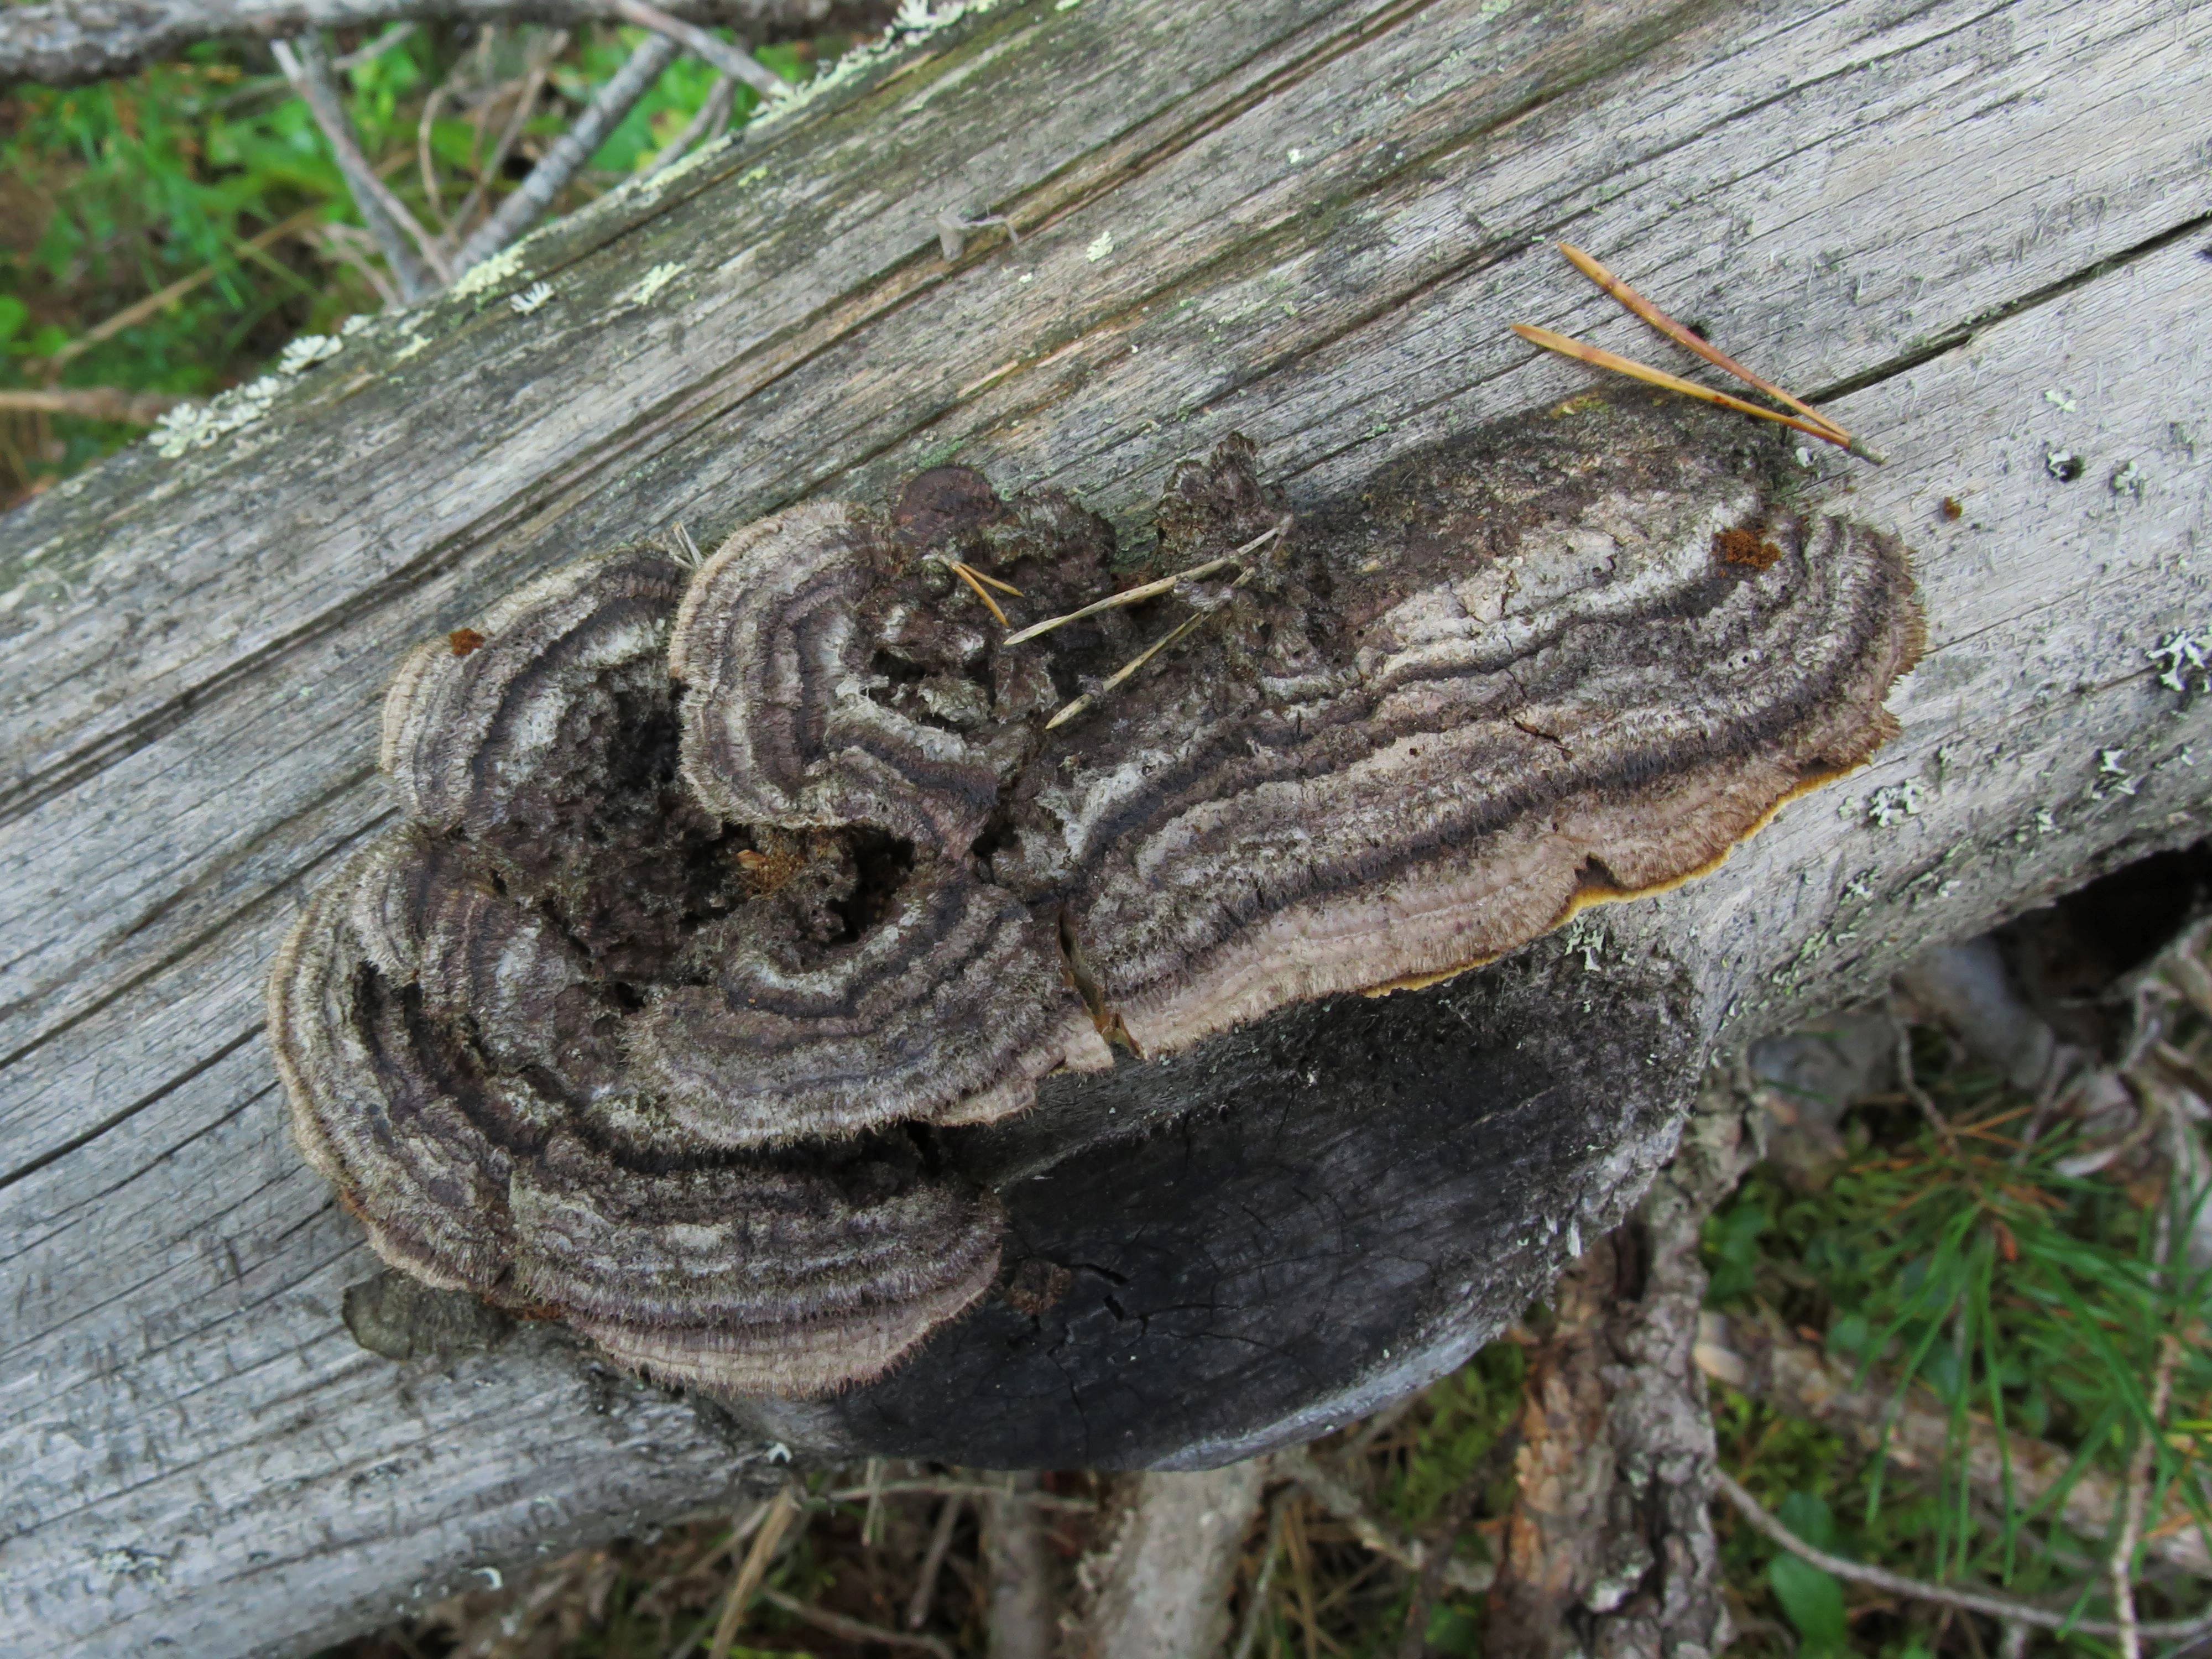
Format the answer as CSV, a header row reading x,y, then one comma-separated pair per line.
x,y
110,194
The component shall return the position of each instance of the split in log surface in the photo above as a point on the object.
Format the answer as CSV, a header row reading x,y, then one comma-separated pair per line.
x,y
1311,223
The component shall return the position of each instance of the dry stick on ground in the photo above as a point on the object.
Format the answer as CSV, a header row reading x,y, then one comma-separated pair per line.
x,y
783,1511
733,61
1263,1582
307,65
1335,1494
1801,1382
852,1630
75,42
2121,1567
95,403
370,50
1985,1602
1910,1084
533,83
351,246
570,151
933,1562
431,194
138,311
1018,1591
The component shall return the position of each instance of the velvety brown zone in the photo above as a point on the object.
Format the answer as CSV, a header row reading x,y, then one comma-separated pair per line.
x,y
428,1165
1248,754
1209,735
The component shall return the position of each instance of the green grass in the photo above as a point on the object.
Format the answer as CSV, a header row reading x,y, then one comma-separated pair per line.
x,y
1977,1268
110,194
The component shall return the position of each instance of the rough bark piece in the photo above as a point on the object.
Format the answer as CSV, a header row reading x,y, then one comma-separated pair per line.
x,y
1609,1549
1160,1584
69,44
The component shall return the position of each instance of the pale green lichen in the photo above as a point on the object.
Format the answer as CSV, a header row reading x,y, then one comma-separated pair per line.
x,y
196,426
304,352
1893,804
1101,245
647,288
2181,653
488,274
529,299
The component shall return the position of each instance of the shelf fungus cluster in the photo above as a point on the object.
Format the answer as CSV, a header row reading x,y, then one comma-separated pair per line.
x,y
721,894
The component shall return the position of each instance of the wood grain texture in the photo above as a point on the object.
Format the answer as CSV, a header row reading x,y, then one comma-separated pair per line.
x,y
1311,223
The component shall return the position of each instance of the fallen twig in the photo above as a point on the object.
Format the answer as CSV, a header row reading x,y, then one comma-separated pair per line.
x,y
419,269
1335,1495
933,1562
61,43
852,1630
95,402
1988,1603
783,1510
1918,1095
1150,590
533,83
713,112
569,152
733,61
139,310
1914,1433
1263,1583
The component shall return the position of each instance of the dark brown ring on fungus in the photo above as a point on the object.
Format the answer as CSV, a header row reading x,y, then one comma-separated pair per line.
x,y
957,999
463,732
1538,685
778,725
789,1274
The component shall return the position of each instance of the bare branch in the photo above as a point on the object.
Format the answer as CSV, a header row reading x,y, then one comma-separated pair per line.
x,y
1914,1432
932,1563
569,152
72,42
307,65
783,1511
1335,1494
533,82
852,1630
713,114
1988,1603
96,403
733,61
2121,1568
373,49
140,310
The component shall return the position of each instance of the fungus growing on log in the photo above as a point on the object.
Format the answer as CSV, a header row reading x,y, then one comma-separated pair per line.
x,y
720,892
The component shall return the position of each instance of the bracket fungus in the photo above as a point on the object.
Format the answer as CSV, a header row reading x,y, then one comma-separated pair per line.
x,y
722,893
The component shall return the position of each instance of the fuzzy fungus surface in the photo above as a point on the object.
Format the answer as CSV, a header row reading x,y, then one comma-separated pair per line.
x,y
722,895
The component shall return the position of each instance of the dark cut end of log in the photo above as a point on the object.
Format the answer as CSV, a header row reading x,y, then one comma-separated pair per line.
x,y
724,901
1291,1224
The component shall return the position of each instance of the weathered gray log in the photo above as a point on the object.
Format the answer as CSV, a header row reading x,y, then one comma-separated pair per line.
x,y
70,42
1974,230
